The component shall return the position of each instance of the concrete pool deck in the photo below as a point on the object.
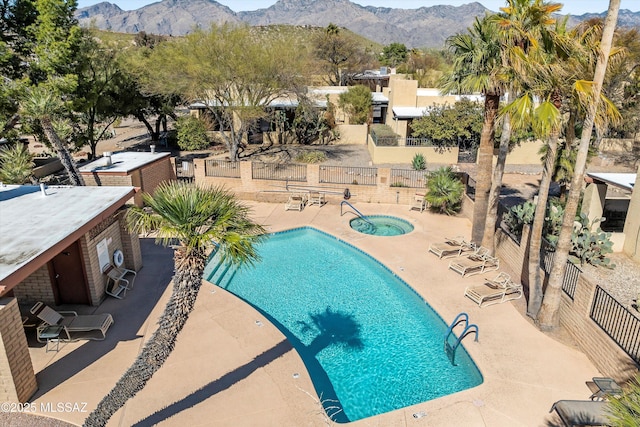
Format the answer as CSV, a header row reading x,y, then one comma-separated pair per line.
x,y
231,367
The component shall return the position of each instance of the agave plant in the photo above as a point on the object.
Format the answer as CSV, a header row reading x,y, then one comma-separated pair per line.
x,y
16,164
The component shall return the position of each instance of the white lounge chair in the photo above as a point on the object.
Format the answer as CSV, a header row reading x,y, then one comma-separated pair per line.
x,y
476,263
316,198
92,327
451,247
581,412
419,202
296,202
494,291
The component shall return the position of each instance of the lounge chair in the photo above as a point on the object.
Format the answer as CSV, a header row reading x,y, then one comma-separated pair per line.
x,y
91,327
451,247
117,282
316,198
581,412
296,202
476,263
419,202
495,291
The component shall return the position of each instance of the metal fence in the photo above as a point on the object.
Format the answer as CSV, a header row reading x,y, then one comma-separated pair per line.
x,y
222,168
418,142
408,178
571,273
279,171
467,155
470,188
348,175
617,321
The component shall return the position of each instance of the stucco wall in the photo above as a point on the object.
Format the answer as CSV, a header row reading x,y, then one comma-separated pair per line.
x,y
404,155
352,134
632,223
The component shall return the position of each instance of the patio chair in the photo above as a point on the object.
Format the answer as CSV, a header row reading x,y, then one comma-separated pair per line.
x,y
581,412
476,263
451,247
494,291
296,202
117,282
91,327
419,202
316,198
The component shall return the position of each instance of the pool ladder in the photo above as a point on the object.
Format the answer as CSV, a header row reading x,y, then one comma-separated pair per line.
x,y
344,202
468,328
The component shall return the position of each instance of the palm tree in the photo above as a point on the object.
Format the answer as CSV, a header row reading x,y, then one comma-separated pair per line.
x,y
16,164
197,219
477,67
548,316
445,191
42,104
522,25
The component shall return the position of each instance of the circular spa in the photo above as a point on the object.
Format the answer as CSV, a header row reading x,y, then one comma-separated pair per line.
x,y
381,225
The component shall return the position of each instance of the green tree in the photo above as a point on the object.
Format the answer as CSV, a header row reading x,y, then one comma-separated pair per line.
x,y
339,55
16,164
457,125
394,54
235,71
624,410
445,191
478,68
197,219
357,103
192,133
548,315
44,105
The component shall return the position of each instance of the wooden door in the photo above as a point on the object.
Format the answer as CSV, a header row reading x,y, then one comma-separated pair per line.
x,y
68,277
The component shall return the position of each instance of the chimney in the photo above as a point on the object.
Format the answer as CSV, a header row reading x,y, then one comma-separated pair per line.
x,y
42,190
107,156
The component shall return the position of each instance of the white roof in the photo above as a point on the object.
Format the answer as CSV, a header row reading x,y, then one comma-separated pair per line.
x,y
428,92
124,161
622,180
31,223
379,97
410,112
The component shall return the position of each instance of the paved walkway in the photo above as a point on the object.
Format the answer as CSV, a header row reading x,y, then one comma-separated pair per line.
x,y
227,370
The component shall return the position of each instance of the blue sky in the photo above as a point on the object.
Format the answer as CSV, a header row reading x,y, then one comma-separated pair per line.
x,y
574,7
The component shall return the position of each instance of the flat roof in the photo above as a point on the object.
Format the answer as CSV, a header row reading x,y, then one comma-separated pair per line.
x,y
124,161
410,112
622,180
32,223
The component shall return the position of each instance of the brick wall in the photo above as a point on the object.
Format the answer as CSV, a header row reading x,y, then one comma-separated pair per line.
x,y
36,287
130,245
17,379
95,279
608,357
155,173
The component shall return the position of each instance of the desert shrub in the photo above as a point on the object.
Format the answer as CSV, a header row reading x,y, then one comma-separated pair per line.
x,y
311,157
192,133
16,164
418,162
445,191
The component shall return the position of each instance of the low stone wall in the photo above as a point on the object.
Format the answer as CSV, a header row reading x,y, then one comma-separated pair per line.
x,y
608,357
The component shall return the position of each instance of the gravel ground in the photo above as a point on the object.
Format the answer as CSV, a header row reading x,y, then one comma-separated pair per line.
x,y
20,419
622,282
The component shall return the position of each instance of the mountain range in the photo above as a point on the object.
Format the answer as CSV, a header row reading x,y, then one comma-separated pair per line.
x,y
422,27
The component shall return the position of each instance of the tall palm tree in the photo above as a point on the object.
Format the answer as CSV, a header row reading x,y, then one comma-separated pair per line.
x,y
523,25
198,219
477,67
43,105
548,316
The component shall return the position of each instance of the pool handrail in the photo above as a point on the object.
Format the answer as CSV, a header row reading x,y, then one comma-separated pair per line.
x,y
468,328
342,203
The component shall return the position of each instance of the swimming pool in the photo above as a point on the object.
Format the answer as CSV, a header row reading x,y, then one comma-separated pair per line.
x,y
381,225
369,342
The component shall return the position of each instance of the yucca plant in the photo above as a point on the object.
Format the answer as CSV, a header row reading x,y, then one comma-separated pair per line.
x,y
445,191
624,410
193,220
418,162
16,164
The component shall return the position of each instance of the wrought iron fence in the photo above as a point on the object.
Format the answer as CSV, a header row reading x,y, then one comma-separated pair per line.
x,y
408,178
279,171
467,155
222,168
348,175
185,170
470,188
571,273
418,142
617,321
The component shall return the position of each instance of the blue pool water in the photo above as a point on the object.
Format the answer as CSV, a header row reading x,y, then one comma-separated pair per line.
x,y
369,342
381,225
